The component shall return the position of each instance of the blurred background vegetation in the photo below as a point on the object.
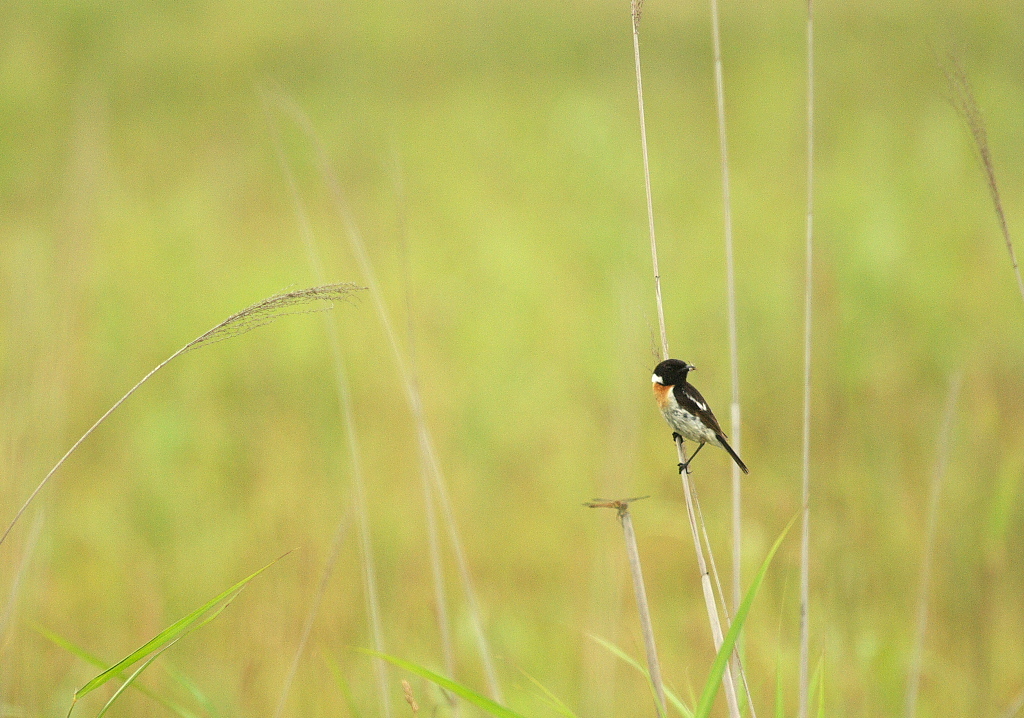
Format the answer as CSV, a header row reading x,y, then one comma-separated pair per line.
x,y
490,153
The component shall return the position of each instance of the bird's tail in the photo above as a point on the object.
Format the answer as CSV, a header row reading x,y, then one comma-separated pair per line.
x,y
735,457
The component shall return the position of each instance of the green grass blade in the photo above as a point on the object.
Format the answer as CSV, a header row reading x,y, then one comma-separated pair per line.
x,y
131,679
550,698
193,689
68,646
718,666
343,685
169,634
818,686
77,650
467,694
629,660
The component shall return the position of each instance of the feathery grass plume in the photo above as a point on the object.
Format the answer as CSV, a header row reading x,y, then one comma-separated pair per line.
x,y
359,504
931,522
424,440
708,592
300,301
805,491
963,100
646,627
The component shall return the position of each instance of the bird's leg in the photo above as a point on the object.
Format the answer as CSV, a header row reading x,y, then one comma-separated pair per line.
x,y
685,466
676,436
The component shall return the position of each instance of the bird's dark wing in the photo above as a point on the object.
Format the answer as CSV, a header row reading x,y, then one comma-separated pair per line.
x,y
689,398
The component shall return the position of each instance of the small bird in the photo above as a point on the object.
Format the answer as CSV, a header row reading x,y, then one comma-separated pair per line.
x,y
686,411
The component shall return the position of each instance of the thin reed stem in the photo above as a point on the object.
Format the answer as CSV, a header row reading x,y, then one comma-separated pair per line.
x,y
805,491
637,7
429,501
730,280
424,440
366,554
931,523
314,608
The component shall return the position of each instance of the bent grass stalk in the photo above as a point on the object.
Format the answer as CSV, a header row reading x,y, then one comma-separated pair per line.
x,y
252,317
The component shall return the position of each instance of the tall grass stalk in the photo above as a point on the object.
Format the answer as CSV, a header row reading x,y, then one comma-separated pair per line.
x,y
931,522
261,313
730,281
805,490
637,10
962,97
640,592
424,440
709,595
366,555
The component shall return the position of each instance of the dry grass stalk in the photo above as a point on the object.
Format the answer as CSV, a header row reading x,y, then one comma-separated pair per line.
x,y
805,492
962,97
931,522
646,627
301,301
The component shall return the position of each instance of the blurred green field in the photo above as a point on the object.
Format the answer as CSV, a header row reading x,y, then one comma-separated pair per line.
x,y
490,153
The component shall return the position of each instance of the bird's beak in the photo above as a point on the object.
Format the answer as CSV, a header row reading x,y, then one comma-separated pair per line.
x,y
691,367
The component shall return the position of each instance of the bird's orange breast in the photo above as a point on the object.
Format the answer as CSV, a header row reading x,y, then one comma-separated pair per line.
x,y
663,395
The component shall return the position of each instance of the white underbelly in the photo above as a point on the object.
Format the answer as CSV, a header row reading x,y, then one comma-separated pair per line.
x,y
689,427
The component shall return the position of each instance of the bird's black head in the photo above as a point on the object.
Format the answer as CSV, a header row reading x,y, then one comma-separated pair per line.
x,y
671,372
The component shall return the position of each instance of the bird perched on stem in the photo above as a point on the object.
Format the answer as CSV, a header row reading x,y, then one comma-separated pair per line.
x,y
686,411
